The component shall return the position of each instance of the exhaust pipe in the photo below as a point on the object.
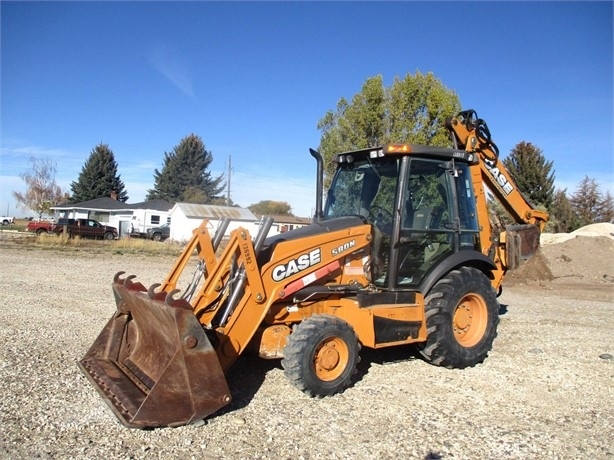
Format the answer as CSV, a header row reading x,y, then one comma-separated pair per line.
x,y
319,215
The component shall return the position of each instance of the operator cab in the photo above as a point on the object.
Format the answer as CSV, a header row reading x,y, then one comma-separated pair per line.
x,y
420,202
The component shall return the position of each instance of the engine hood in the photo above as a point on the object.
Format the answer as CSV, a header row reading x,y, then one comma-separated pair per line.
x,y
316,228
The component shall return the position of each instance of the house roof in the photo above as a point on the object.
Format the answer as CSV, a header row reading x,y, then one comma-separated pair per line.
x,y
156,205
287,219
108,204
208,211
97,204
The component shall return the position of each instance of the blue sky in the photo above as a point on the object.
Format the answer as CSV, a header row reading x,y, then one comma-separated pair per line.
x,y
252,79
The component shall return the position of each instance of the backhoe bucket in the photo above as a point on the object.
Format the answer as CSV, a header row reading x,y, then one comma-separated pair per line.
x,y
152,363
522,243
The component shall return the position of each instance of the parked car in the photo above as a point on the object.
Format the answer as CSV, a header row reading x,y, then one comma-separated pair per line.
x,y
160,233
6,220
40,226
86,228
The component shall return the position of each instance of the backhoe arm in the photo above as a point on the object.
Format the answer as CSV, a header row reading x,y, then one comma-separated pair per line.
x,y
471,134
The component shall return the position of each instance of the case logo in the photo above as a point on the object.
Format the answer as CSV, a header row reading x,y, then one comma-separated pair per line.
x,y
302,262
499,177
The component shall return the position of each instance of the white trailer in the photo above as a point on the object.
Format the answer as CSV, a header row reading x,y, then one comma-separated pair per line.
x,y
143,219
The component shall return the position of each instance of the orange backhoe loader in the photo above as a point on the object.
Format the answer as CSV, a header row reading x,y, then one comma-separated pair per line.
x,y
403,252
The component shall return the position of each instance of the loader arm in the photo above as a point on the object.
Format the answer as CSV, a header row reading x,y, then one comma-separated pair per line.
x,y
240,291
205,248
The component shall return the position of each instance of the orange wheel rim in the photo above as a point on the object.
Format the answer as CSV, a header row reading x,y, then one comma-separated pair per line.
x,y
330,359
470,320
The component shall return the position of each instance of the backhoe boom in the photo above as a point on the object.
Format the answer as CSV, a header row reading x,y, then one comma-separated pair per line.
x,y
472,134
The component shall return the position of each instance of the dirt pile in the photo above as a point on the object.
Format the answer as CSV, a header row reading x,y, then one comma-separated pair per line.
x,y
585,256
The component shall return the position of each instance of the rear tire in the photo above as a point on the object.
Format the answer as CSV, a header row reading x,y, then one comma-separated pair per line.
x,y
462,314
321,355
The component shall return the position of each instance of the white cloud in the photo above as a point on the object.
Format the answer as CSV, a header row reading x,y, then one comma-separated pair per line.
x,y
172,66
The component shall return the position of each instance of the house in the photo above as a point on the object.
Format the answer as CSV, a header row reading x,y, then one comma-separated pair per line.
x,y
124,216
283,224
105,210
185,217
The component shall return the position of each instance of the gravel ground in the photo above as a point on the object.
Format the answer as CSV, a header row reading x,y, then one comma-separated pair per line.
x,y
545,391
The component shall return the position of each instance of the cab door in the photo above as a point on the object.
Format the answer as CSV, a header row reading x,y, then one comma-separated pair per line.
x,y
427,222
89,228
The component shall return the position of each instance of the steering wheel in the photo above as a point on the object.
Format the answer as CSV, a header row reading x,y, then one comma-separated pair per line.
x,y
381,217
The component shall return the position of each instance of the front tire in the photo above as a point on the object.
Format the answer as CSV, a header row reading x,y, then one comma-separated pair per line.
x,y
109,236
157,237
321,355
462,314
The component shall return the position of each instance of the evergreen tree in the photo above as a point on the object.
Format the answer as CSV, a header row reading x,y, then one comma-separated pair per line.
x,y
563,219
586,201
412,110
605,208
532,173
98,177
184,176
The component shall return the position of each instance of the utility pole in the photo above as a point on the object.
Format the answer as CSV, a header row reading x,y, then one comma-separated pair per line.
x,y
228,183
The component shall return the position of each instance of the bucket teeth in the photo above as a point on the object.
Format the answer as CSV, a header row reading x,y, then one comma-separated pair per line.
x,y
169,297
151,292
116,278
133,286
128,281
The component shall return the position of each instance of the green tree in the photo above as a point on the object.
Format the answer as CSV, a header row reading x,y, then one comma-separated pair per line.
x,y
223,201
42,192
184,176
605,208
587,201
268,207
533,175
413,109
98,177
563,219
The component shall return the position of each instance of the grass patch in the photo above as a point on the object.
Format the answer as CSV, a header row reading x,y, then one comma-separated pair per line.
x,y
19,225
121,246
139,245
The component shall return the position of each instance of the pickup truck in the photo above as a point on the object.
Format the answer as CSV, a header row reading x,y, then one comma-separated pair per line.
x,y
40,226
5,220
86,228
159,233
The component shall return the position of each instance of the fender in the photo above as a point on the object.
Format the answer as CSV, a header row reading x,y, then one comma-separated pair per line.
x,y
461,258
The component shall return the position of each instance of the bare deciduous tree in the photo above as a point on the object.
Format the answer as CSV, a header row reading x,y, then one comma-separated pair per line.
x,y
42,191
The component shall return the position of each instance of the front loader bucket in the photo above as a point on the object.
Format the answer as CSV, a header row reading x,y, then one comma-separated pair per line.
x,y
152,363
